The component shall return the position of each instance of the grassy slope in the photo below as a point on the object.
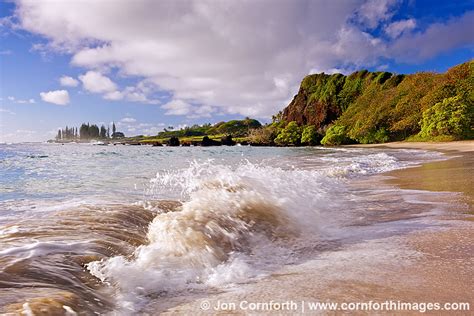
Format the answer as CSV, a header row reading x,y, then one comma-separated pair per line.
x,y
382,106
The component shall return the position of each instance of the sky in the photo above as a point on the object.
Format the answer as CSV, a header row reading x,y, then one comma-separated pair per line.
x,y
147,65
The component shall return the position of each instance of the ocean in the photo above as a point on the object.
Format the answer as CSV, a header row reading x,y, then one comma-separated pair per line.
x,y
93,229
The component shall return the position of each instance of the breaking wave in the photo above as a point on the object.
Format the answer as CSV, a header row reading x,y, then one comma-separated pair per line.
x,y
232,225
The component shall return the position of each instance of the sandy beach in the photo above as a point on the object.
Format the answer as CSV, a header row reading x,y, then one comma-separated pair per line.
x,y
432,265
457,146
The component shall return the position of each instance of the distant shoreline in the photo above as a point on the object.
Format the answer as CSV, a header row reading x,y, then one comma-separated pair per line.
x,y
459,146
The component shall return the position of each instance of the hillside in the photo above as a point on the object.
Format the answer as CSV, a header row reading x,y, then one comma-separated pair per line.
x,y
372,107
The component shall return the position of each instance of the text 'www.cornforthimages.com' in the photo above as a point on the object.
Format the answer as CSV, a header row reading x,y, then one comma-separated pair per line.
x,y
308,306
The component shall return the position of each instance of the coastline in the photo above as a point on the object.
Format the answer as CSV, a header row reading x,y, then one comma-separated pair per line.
x,y
426,265
454,146
451,175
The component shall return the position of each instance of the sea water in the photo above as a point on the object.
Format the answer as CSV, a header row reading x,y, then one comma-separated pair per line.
x,y
96,229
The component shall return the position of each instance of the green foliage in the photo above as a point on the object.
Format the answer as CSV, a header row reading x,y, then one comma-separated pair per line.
x,y
382,77
290,135
335,135
237,128
451,117
377,107
309,135
375,136
263,136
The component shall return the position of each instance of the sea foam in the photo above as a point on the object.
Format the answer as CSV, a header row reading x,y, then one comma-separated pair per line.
x,y
231,227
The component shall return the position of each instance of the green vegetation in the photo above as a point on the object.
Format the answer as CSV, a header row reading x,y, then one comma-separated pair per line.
x,y
86,132
451,117
376,107
335,135
236,128
309,136
364,107
290,135
222,132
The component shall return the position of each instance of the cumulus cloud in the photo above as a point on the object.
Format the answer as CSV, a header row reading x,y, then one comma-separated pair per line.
x,y
436,38
132,126
67,81
177,107
237,57
59,97
95,82
114,95
397,28
373,12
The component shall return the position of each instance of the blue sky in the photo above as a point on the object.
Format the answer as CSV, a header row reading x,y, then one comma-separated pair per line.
x,y
151,64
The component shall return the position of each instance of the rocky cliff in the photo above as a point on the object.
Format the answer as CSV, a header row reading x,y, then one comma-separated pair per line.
x,y
380,106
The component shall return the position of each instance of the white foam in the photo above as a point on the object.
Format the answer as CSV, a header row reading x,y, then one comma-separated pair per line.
x,y
229,227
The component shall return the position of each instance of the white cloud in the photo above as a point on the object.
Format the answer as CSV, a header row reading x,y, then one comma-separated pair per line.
x,y
237,57
21,101
128,120
68,81
435,39
59,97
373,12
177,107
397,28
114,95
95,82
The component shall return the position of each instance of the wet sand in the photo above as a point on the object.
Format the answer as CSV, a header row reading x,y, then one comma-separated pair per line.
x,y
422,266
457,146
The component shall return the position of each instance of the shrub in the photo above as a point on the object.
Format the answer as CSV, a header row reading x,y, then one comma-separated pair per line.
x,y
335,135
451,117
309,135
263,136
376,136
290,135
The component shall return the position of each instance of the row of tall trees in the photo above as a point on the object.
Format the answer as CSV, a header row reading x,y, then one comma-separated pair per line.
x,y
88,131
67,133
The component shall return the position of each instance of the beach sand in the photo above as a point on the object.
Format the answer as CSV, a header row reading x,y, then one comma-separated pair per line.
x,y
422,266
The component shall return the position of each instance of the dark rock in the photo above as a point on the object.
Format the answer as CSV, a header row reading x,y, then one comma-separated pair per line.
x,y
157,144
227,140
206,141
173,141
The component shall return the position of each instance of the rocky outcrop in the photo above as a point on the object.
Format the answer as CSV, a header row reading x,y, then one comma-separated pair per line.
x,y
173,141
305,111
206,141
322,98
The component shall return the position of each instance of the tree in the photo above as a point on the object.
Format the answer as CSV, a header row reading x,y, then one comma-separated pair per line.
x,y
335,135
103,132
290,135
94,131
113,129
84,131
108,132
309,135
451,117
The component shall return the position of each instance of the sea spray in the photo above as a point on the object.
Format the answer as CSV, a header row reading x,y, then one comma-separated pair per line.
x,y
233,225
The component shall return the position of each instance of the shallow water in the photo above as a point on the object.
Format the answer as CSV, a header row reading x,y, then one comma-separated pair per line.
x,y
96,229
